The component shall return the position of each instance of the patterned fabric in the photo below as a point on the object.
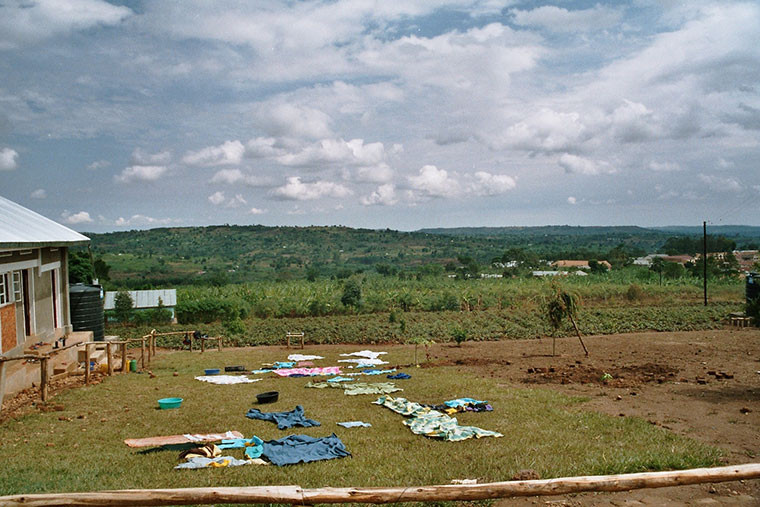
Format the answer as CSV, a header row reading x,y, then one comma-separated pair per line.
x,y
431,423
357,388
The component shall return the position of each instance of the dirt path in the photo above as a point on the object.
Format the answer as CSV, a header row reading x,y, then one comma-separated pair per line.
x,y
702,384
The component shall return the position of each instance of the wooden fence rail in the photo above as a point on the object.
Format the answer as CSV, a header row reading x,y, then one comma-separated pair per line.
x,y
463,492
147,340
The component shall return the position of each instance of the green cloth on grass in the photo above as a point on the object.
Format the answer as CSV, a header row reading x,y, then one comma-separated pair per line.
x,y
431,423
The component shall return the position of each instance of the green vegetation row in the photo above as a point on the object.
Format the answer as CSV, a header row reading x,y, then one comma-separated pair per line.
x,y
493,324
386,294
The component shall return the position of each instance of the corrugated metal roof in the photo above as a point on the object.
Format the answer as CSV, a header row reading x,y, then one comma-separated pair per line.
x,y
23,228
145,298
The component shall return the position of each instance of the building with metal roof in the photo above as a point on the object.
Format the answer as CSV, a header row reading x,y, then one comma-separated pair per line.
x,y
23,228
34,291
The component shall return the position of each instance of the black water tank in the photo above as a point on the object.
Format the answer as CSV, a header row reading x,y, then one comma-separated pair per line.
x,y
752,290
87,309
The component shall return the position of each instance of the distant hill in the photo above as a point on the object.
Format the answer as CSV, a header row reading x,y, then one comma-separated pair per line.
x,y
729,231
236,253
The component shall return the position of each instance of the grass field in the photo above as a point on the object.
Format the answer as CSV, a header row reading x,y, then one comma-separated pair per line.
x,y
80,447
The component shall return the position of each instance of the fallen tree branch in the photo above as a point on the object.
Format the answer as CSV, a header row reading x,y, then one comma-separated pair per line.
x,y
297,495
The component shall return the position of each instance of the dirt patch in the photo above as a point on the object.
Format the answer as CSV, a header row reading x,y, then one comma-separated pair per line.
x,y
701,384
29,399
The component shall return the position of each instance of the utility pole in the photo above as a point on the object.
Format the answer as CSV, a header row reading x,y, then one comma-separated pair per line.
x,y
704,257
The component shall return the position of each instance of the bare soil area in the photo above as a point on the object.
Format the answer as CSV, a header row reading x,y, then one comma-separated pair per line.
x,y
702,384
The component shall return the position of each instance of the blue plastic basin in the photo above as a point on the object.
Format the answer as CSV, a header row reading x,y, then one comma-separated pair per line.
x,y
166,403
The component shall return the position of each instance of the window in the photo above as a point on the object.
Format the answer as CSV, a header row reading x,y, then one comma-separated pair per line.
x,y
6,296
18,291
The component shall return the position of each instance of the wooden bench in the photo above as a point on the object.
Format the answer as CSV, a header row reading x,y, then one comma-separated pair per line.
x,y
290,335
741,321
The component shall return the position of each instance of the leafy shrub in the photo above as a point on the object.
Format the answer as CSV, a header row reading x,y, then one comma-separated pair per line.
x,y
234,327
352,294
459,335
210,309
445,301
752,309
123,306
634,293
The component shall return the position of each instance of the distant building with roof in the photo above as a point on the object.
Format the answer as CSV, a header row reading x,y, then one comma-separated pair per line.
x,y
146,299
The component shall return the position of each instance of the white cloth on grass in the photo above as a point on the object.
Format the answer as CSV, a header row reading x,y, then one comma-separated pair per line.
x,y
226,379
302,357
365,353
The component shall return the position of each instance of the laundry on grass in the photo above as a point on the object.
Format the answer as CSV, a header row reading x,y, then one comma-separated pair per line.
x,y
399,376
327,370
432,423
368,354
303,357
363,363
205,451
303,449
340,379
355,424
219,462
226,379
253,446
355,388
284,420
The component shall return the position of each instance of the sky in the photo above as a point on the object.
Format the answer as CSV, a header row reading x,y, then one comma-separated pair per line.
x,y
381,114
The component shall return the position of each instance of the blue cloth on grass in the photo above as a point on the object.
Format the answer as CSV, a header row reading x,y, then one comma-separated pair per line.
x,y
355,424
284,420
253,445
303,449
398,376
463,401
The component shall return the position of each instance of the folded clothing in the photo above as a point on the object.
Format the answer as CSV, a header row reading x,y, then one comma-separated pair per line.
x,y
303,449
284,420
253,446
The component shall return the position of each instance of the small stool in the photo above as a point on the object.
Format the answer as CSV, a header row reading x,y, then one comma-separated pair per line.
x,y
295,335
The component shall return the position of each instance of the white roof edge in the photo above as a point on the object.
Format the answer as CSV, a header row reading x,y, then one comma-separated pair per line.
x,y
21,227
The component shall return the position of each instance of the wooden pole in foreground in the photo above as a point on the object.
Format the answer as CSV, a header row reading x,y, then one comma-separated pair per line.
x,y
44,378
87,364
297,495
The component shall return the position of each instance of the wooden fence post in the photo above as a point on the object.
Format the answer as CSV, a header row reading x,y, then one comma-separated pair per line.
x,y
142,352
110,358
220,343
2,384
203,345
44,378
86,363
124,357
153,333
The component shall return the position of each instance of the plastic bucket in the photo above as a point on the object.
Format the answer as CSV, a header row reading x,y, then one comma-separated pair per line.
x,y
133,365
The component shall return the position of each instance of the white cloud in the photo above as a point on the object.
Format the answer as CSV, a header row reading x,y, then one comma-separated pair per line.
x,y
216,198
720,184
257,211
572,200
296,190
138,220
228,153
632,122
351,153
260,147
23,23
236,176
40,193
664,166
98,164
384,195
491,184
435,182
141,157
557,19
289,120
381,173
546,131
82,217
141,173
578,165
8,159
